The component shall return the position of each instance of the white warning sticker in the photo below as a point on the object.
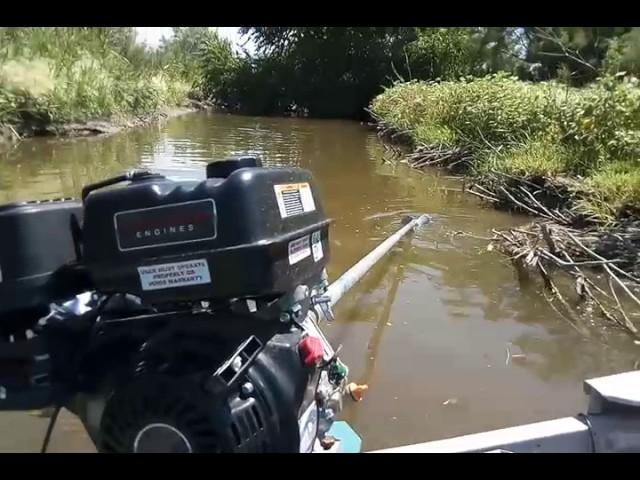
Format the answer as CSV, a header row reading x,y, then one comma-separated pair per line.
x,y
294,199
316,246
173,275
299,249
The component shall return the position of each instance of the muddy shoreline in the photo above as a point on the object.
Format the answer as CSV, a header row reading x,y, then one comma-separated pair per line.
x,y
601,261
13,133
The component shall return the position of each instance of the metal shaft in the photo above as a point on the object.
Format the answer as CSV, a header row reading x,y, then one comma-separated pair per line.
x,y
348,279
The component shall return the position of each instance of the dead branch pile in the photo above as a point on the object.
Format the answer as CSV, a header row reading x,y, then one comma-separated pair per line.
x,y
551,199
569,242
604,266
453,159
606,280
394,135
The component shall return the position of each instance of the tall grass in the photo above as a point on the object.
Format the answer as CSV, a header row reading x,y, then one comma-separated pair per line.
x,y
542,130
69,74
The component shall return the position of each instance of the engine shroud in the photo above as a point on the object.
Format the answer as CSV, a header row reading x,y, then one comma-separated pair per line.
x,y
157,412
258,232
37,240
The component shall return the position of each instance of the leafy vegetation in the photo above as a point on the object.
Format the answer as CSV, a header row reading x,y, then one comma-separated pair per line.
x,y
532,130
62,74
323,71
536,102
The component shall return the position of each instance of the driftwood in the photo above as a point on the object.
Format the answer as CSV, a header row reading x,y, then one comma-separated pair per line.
x,y
563,242
453,159
546,247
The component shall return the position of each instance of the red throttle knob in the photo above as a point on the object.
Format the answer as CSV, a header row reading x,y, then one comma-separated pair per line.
x,y
311,350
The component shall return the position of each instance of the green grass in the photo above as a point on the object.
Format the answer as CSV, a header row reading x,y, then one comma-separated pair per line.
x,y
534,131
72,74
614,191
540,158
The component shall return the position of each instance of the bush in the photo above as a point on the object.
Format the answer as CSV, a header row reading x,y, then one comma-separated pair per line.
x,y
474,112
218,65
533,130
538,158
69,74
602,122
445,53
613,192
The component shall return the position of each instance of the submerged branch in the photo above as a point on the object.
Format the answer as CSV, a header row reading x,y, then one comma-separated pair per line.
x,y
563,242
548,246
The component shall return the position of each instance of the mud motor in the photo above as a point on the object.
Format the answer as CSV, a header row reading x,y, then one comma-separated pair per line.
x,y
174,316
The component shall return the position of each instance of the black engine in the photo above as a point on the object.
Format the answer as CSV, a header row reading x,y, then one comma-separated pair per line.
x,y
173,316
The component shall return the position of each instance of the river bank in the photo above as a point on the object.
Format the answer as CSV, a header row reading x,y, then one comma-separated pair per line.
x,y
83,81
12,133
566,158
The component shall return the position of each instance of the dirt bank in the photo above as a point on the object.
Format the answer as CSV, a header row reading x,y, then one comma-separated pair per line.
x,y
601,261
33,127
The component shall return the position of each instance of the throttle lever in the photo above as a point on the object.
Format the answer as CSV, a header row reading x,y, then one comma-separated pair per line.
x,y
323,302
131,176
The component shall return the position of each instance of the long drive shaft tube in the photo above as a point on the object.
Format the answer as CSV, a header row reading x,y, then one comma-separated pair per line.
x,y
348,279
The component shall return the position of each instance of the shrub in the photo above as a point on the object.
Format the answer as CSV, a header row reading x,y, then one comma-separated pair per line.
x,y
475,112
68,74
533,130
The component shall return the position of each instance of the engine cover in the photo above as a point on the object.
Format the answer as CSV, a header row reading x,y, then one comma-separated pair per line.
x,y
258,232
37,240
164,414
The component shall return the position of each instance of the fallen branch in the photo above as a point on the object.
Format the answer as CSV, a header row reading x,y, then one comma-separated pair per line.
x,y
517,179
543,246
481,195
595,255
529,209
628,322
619,282
542,207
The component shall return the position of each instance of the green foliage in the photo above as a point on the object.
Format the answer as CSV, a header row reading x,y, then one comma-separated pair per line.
x,y
441,53
180,54
322,71
623,54
539,158
630,61
336,71
452,52
76,73
218,65
581,51
255,87
613,192
602,121
326,71
475,112
533,130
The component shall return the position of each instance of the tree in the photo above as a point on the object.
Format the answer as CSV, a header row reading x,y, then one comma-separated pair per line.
x,y
218,64
623,54
446,53
180,52
580,51
331,71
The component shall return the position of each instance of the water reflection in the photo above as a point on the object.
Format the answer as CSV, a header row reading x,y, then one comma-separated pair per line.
x,y
44,168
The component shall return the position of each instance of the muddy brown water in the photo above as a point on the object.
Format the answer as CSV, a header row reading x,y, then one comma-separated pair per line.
x,y
440,330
